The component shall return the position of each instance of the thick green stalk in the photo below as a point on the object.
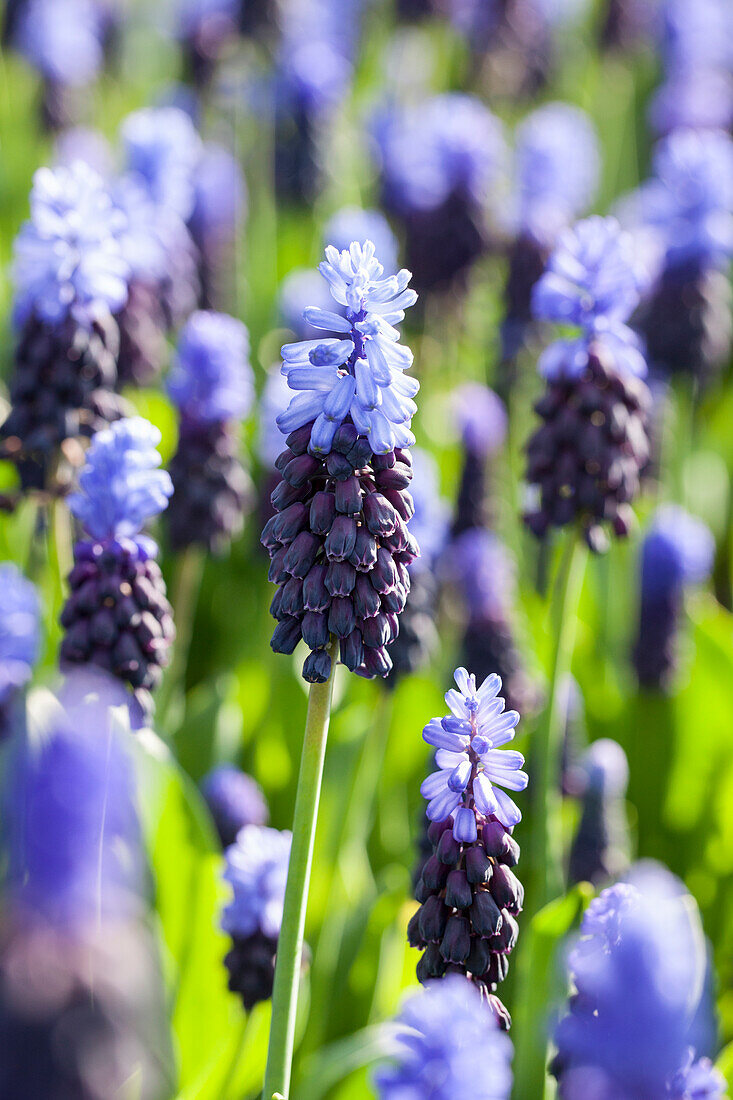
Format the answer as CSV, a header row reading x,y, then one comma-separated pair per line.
x,y
546,839
290,942
351,876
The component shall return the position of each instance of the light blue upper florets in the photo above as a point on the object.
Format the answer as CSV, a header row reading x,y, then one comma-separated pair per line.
x,y
448,144
164,149
212,378
362,374
257,870
639,968
690,201
472,765
448,1046
68,257
19,630
556,170
121,487
62,39
592,281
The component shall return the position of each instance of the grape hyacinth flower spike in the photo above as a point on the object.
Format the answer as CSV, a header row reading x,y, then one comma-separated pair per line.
x,y
689,202
339,543
585,460
117,615
677,552
256,869
211,383
19,639
447,1046
469,896
70,279
638,968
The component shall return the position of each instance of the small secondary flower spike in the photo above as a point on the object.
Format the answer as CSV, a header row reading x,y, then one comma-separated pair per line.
x,y
257,870
469,896
211,383
584,462
117,615
70,278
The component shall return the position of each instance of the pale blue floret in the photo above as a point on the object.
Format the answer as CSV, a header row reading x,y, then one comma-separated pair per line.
x,y
62,39
257,871
592,282
121,487
469,742
448,1046
68,257
361,374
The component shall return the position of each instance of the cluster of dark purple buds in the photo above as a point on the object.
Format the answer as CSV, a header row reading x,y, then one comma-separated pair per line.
x,y
585,458
143,324
117,615
62,388
687,321
212,488
251,965
469,900
441,245
339,550
527,259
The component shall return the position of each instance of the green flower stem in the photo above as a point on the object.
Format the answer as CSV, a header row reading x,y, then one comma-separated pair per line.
x,y
351,882
546,750
290,942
